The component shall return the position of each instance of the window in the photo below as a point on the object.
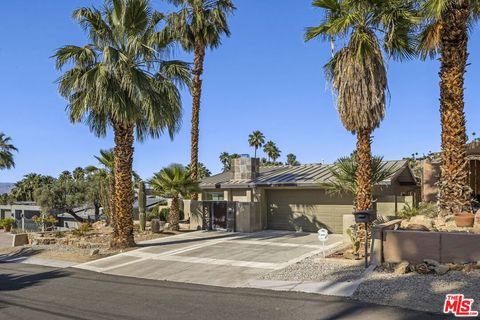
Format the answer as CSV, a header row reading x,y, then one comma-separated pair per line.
x,y
215,196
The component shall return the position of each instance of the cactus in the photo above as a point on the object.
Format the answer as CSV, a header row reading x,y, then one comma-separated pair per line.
x,y
142,203
353,236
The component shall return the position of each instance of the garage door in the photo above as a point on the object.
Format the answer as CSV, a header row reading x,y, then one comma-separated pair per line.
x,y
306,209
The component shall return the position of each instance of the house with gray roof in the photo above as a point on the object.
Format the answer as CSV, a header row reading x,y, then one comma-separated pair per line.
x,y
251,198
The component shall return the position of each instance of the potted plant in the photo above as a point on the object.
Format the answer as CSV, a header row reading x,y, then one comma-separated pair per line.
x,y
7,224
464,219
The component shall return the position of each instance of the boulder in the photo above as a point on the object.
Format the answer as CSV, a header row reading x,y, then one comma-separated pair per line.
x,y
422,268
99,225
441,269
94,252
402,268
350,256
417,227
422,220
432,262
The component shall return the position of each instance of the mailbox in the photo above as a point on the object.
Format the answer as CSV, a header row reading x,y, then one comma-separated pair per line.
x,y
365,216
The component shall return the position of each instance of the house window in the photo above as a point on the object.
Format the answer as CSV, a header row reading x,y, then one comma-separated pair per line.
x,y
215,196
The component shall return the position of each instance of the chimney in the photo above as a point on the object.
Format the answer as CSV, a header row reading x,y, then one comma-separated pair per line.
x,y
245,168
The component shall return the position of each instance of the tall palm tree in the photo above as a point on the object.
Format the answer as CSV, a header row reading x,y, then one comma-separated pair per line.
x,y
445,31
272,151
256,139
226,159
121,80
174,182
198,25
6,149
357,70
203,171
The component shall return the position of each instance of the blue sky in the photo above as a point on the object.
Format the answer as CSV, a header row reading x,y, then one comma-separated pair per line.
x,y
264,77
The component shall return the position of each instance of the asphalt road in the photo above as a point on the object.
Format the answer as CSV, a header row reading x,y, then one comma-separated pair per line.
x,y
35,293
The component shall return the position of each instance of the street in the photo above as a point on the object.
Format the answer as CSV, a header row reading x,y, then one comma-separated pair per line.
x,y
35,292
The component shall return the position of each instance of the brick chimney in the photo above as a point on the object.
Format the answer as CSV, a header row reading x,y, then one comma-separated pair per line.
x,y
245,168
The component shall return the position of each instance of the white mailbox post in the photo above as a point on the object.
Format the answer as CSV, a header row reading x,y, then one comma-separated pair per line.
x,y
323,237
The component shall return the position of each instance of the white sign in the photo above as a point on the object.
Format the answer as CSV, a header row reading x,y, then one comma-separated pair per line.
x,y
323,234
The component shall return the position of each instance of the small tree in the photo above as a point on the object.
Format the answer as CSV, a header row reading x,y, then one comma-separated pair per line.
x,y
174,182
292,160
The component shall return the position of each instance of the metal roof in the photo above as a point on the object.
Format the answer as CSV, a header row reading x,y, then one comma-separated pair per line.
x,y
295,176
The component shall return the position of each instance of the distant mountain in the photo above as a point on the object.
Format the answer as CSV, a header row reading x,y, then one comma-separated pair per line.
x,y
5,187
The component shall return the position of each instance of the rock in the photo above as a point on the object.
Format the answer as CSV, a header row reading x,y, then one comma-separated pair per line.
x,y
432,262
441,269
468,268
155,225
439,222
99,225
455,266
417,227
402,268
422,220
94,252
350,255
422,268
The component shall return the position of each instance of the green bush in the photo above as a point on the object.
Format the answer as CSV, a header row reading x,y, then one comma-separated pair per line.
x,y
426,209
7,223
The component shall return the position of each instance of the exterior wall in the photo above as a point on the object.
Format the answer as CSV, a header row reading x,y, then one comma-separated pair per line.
x,y
245,168
240,195
248,217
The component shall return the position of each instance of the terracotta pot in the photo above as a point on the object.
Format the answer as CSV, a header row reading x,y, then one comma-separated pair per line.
x,y
464,219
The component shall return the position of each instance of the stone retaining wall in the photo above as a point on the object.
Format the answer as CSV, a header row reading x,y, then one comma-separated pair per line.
x,y
415,246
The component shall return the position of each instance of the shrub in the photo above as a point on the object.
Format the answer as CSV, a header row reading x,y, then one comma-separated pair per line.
x,y
82,229
7,223
426,209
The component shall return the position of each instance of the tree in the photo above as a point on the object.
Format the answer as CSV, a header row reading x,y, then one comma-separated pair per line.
x,y
24,190
121,80
357,70
226,159
203,171
256,139
6,152
272,151
63,196
174,182
344,174
198,25
78,173
445,31
65,176
292,160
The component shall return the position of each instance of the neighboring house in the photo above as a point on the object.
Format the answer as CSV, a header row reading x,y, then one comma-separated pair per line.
x,y
22,212
289,198
431,173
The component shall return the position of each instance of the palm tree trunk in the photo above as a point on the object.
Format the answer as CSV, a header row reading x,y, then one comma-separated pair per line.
x,y
196,95
174,215
255,156
123,186
454,192
111,204
363,175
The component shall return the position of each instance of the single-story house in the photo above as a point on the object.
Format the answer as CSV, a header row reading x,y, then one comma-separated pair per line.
x,y
251,197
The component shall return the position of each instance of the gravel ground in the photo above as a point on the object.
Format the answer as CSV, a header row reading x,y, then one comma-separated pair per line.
x,y
419,292
315,268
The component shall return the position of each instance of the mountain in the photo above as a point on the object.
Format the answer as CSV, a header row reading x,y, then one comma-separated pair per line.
x,y
5,187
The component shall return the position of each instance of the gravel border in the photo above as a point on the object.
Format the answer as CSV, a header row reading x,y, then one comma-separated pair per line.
x,y
416,291
316,268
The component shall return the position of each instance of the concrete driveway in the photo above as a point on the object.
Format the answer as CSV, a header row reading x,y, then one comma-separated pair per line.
x,y
213,258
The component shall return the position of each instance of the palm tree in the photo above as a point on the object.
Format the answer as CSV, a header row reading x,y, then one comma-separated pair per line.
x,y
344,174
445,31
24,190
198,25
226,159
106,178
120,80
357,71
203,171
256,139
78,173
174,182
292,160
6,155
272,151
